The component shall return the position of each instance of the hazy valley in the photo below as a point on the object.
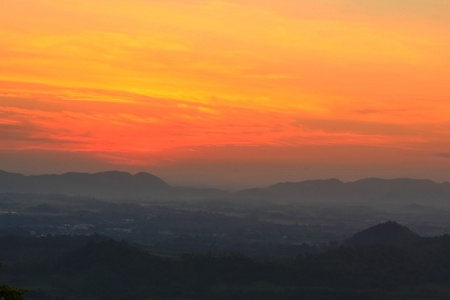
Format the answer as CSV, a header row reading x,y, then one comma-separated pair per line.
x,y
282,229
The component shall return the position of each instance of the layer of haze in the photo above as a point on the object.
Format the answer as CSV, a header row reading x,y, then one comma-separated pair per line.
x,y
226,93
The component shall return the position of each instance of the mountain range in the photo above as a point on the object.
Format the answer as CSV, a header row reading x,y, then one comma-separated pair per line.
x,y
103,185
143,186
375,191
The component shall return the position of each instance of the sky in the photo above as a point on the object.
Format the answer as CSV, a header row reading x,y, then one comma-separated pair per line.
x,y
231,93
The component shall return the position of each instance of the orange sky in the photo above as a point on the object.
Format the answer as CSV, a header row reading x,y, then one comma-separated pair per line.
x,y
226,93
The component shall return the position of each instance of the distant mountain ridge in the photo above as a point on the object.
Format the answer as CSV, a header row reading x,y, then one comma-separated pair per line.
x,y
110,184
123,185
369,190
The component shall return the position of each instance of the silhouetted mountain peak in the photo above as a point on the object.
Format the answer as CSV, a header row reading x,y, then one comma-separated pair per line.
x,y
369,191
147,177
388,233
113,174
103,185
109,184
7,175
308,190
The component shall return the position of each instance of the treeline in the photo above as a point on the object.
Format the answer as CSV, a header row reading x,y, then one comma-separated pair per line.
x,y
101,268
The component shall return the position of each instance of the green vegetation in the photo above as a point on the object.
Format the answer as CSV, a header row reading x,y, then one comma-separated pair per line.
x,y
8,292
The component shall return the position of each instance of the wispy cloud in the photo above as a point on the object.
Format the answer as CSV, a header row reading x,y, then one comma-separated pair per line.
x,y
159,76
442,154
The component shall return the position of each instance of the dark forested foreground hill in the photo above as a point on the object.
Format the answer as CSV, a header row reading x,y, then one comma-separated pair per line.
x,y
402,266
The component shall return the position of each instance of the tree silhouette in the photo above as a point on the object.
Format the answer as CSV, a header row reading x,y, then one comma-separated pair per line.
x,y
11,293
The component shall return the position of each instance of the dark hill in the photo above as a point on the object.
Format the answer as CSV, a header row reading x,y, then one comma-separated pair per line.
x,y
389,233
100,268
20,248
